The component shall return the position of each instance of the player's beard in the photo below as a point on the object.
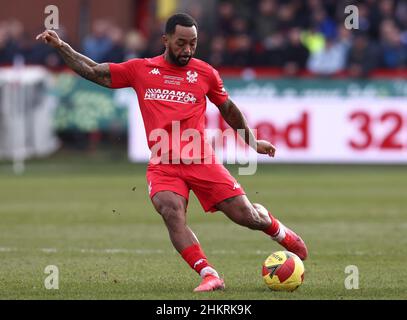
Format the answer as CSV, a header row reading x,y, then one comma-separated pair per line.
x,y
178,60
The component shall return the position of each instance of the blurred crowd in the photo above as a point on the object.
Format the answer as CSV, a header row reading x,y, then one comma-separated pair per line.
x,y
105,42
293,35
310,34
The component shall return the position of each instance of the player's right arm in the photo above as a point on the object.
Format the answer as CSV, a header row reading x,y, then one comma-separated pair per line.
x,y
87,68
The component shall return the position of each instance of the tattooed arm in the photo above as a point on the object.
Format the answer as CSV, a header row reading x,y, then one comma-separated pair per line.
x,y
234,117
85,67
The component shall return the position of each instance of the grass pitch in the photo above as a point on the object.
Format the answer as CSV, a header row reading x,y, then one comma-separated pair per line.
x,y
94,221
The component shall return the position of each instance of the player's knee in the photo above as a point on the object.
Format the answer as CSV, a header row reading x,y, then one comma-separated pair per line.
x,y
172,214
255,220
262,213
250,218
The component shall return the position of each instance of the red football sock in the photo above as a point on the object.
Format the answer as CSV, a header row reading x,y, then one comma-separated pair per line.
x,y
274,227
195,257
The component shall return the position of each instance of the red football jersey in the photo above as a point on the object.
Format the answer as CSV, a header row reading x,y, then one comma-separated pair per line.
x,y
172,99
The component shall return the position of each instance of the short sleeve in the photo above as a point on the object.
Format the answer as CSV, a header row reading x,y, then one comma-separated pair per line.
x,y
122,74
216,93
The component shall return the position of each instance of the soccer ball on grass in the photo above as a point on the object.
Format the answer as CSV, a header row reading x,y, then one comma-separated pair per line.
x,y
283,271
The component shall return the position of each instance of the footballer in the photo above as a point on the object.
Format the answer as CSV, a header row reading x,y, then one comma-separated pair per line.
x,y
172,88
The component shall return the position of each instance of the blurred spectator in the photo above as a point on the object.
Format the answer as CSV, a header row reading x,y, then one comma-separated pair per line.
x,y
332,58
380,11
302,13
323,23
329,60
364,21
240,26
116,52
314,4
394,52
135,45
286,15
387,10
195,9
155,44
17,40
226,15
266,22
362,58
6,53
241,53
98,44
295,53
313,40
218,53
274,50
401,14
240,43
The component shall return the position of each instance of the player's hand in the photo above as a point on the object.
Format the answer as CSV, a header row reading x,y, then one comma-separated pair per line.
x,y
51,38
265,147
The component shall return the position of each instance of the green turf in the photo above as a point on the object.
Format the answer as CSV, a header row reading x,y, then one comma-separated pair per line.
x,y
93,220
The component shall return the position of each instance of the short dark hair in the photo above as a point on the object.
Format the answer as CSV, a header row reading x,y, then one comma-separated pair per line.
x,y
181,19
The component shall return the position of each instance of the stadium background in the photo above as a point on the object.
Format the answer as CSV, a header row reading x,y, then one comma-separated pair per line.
x,y
69,196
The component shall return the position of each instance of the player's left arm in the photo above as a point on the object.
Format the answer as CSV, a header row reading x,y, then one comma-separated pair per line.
x,y
235,118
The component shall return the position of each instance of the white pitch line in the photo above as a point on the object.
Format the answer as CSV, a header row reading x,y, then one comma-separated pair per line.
x,y
117,250
7,249
49,250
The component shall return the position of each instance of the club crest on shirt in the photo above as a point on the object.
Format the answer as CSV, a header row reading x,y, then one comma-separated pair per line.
x,y
192,77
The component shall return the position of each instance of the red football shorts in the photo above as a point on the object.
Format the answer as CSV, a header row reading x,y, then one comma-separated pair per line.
x,y
211,183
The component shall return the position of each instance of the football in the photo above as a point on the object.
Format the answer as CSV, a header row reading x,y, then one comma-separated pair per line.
x,y
283,271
